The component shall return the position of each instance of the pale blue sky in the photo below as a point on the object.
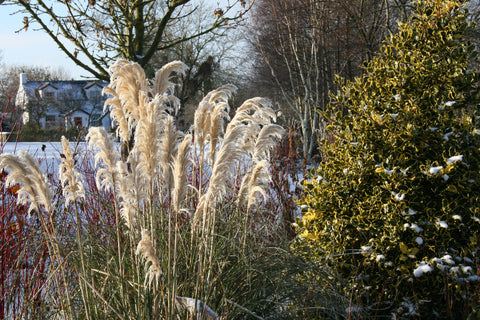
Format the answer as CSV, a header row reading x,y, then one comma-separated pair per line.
x,y
36,48
31,47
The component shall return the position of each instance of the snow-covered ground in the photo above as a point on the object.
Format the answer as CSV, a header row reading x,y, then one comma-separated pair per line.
x,y
50,149
47,153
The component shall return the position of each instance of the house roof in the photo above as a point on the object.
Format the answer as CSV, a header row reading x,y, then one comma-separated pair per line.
x,y
74,89
46,84
93,83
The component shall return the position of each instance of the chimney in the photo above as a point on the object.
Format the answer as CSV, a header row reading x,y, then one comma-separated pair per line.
x,y
23,78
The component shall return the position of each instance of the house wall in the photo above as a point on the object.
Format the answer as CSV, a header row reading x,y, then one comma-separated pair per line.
x,y
65,103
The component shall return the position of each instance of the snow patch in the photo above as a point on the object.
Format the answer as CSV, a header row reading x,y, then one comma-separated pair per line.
x,y
454,159
447,259
366,249
398,196
435,170
442,224
416,228
447,135
450,103
422,268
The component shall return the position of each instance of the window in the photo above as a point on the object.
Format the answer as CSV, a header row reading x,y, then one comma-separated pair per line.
x,y
50,122
94,95
77,121
49,95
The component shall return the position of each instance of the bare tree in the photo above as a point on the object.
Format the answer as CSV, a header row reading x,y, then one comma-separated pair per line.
x,y
303,44
211,59
104,31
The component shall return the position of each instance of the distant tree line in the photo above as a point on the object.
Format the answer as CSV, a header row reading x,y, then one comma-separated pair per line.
x,y
301,46
298,52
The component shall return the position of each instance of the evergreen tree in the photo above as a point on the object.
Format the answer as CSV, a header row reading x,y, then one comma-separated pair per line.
x,y
395,206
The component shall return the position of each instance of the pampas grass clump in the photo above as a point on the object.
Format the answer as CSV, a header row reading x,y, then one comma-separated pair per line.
x,y
181,203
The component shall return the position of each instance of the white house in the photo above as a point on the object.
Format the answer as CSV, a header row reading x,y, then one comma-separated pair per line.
x,y
62,104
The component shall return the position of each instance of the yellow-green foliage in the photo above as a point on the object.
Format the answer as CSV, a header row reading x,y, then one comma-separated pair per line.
x,y
395,204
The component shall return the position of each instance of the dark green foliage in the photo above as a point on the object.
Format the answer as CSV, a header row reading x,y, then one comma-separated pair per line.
x,y
403,166
32,132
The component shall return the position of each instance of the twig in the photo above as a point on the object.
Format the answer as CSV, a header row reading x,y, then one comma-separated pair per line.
x,y
244,309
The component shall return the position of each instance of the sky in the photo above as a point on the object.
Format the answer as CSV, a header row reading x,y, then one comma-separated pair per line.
x,y
31,47
36,48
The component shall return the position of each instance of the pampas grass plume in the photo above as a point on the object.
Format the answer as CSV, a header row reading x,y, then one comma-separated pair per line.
x,y
146,250
267,139
25,171
259,181
70,179
230,153
201,123
180,165
106,176
255,181
162,77
126,192
168,149
117,114
128,86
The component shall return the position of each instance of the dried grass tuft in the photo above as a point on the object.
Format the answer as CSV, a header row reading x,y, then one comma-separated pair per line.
x,y
117,114
163,85
255,181
168,150
107,176
24,170
131,191
180,170
266,140
71,180
146,250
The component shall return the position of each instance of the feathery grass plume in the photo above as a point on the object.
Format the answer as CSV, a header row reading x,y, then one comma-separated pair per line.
x,y
180,164
256,180
222,94
257,113
117,114
128,190
145,248
168,149
165,88
201,123
219,113
195,307
147,136
107,176
162,77
130,85
255,110
70,179
267,139
24,170
39,178
229,154
259,182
